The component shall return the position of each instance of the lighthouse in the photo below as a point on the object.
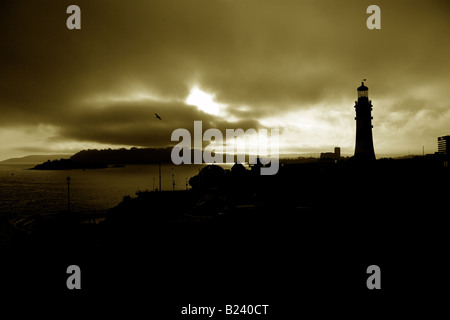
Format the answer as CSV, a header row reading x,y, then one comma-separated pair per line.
x,y
364,142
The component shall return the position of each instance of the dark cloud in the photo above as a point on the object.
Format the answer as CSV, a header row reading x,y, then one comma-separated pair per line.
x,y
261,58
135,123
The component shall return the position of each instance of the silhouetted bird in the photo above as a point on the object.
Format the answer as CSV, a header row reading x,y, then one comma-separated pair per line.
x,y
157,117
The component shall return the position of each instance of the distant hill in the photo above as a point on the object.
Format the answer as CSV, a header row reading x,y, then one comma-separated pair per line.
x,y
34,159
131,156
124,156
94,158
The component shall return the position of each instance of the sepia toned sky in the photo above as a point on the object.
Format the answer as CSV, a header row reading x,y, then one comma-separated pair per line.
x,y
293,65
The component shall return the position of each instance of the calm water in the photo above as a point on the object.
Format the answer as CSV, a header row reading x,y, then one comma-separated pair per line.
x,y
24,192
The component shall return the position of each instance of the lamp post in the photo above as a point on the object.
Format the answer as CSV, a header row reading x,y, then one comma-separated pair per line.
x,y
173,182
68,193
159,162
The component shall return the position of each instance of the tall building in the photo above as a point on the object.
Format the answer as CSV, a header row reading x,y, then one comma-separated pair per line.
x,y
337,152
364,142
444,145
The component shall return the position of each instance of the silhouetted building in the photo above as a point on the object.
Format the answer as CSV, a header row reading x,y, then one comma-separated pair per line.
x,y
444,145
337,152
364,142
211,177
256,167
336,155
238,169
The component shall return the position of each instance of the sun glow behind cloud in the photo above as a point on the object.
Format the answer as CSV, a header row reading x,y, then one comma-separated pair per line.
x,y
204,101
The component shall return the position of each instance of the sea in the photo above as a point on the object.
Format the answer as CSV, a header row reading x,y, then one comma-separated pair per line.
x,y
25,192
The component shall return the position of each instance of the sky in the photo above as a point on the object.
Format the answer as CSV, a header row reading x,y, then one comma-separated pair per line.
x,y
274,64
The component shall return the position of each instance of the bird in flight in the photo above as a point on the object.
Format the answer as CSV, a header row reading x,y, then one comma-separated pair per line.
x,y
157,117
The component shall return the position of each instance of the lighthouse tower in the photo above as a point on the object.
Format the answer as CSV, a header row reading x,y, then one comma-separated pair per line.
x,y
364,142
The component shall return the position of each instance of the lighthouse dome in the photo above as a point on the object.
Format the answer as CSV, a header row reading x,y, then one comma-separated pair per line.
x,y
363,87
363,91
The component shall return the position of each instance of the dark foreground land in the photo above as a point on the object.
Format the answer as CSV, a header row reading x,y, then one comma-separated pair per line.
x,y
300,241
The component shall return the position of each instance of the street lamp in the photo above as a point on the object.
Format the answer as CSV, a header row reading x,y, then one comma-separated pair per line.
x,y
173,182
68,193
